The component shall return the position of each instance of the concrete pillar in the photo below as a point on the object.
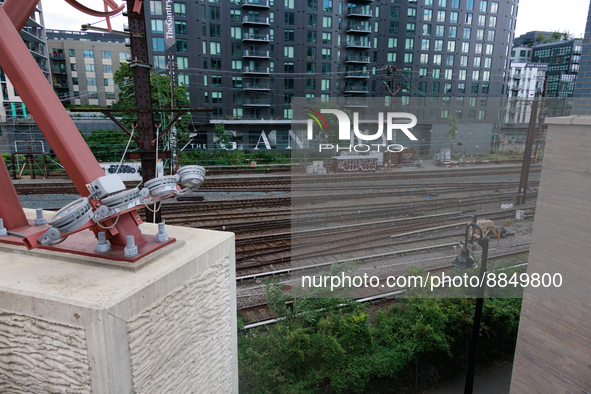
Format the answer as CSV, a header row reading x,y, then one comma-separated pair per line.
x,y
554,341
71,325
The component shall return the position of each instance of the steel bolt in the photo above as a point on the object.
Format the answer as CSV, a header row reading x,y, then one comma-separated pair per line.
x,y
130,249
39,220
3,231
162,235
103,245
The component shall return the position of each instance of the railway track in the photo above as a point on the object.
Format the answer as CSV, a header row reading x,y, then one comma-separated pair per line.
x,y
272,258
283,182
260,314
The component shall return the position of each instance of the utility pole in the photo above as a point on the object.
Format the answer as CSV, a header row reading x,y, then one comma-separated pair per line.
x,y
531,131
392,69
172,139
140,65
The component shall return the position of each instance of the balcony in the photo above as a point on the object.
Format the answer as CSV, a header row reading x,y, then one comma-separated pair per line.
x,y
359,12
264,87
256,70
356,102
357,59
60,86
357,74
255,3
356,89
358,44
358,28
256,37
257,102
516,76
255,20
255,53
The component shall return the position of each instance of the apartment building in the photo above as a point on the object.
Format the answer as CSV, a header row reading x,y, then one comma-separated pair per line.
x,y
83,65
247,59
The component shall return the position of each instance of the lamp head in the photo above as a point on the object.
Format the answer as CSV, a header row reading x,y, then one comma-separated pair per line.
x,y
465,260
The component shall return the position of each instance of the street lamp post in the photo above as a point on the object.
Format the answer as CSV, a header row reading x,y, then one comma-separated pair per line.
x,y
465,261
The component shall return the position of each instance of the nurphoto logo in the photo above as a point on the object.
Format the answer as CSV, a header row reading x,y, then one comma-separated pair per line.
x,y
392,123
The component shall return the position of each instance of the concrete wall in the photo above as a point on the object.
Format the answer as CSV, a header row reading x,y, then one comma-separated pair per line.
x,y
554,341
68,325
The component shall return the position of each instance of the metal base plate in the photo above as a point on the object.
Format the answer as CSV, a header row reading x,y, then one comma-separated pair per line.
x,y
84,244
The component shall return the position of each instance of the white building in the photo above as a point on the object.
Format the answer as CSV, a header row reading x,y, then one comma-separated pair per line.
x,y
525,83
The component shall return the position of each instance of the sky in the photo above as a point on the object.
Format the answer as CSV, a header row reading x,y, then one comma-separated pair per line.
x,y
545,15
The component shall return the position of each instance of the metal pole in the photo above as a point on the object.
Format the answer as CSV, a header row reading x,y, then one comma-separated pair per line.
x,y
141,80
527,155
469,387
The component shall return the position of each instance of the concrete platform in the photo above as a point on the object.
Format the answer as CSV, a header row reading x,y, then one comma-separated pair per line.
x,y
68,325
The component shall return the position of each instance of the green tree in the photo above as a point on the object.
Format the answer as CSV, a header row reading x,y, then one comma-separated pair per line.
x,y
452,132
540,37
221,136
107,145
160,92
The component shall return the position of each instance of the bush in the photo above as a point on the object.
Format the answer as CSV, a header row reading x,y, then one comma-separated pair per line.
x,y
330,345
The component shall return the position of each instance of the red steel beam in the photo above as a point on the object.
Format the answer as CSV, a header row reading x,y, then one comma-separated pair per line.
x,y
19,11
51,117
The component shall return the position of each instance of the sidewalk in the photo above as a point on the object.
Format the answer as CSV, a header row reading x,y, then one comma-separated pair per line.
x,y
495,380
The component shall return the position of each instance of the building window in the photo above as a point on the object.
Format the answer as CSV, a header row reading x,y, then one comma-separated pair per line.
x,y
214,13
89,68
288,84
441,16
311,68
123,56
215,48
155,7
289,35
91,81
438,47
157,44
391,57
311,52
109,82
325,84
312,5
453,17
327,22
326,53
468,18
216,64
411,13
409,43
75,81
424,58
236,32
89,53
327,5
394,12
182,45
427,30
411,28
288,51
216,97
289,18
310,84
393,28
214,31
107,69
157,26
494,8
289,4
312,20
326,38
325,68
408,58
311,37
180,9
235,16
180,27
